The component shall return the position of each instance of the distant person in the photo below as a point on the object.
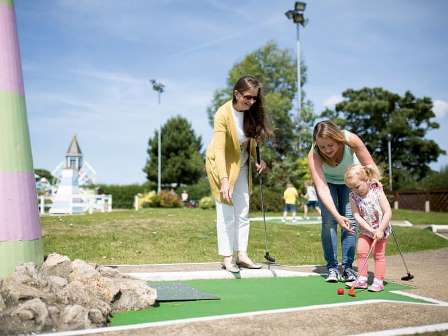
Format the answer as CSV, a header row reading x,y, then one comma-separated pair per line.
x,y
238,125
311,199
290,198
372,211
184,197
333,151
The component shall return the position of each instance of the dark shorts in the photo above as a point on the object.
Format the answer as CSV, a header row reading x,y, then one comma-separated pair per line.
x,y
290,207
312,204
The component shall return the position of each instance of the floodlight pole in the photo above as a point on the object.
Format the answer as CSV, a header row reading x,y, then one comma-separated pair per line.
x,y
159,88
389,150
297,16
299,81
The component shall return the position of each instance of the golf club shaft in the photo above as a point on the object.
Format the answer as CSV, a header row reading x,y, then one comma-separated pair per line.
x,y
262,202
399,249
367,259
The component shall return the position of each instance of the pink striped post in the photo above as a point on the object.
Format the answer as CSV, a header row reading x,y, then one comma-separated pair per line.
x,y
20,230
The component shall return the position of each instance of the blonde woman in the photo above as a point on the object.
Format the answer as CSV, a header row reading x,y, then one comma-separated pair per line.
x,y
238,125
333,151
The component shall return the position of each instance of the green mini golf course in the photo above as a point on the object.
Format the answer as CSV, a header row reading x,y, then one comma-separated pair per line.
x,y
250,295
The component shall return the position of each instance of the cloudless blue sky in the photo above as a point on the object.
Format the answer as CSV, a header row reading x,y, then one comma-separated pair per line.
x,y
86,65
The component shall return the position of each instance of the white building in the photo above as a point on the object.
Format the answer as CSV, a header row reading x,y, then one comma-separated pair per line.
x,y
72,174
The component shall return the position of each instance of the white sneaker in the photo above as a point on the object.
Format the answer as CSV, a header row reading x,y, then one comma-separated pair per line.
x,y
333,275
283,220
376,286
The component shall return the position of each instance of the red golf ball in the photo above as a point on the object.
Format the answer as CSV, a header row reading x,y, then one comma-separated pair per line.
x,y
340,291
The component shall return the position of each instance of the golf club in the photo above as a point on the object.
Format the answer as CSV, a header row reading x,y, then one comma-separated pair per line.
x,y
270,259
408,276
351,291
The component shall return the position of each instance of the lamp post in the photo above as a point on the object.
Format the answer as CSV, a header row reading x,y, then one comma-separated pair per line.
x,y
296,15
159,88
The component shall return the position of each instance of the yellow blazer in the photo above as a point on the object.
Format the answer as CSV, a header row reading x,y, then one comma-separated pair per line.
x,y
223,153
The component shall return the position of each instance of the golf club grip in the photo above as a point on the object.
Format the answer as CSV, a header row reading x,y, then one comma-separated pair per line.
x,y
257,149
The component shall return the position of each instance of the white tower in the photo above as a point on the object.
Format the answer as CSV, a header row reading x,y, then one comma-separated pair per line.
x,y
68,199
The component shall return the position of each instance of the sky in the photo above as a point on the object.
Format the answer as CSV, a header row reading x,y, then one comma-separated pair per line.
x,y
87,64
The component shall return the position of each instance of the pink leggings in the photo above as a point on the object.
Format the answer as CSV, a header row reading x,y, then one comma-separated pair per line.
x,y
379,254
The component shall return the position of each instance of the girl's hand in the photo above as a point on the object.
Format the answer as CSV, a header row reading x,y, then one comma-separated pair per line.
x,y
226,191
379,234
344,222
260,167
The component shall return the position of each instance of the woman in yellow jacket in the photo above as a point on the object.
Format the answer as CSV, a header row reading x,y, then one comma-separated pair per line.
x,y
238,125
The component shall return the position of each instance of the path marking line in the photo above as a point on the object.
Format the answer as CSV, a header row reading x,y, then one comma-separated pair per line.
x,y
408,330
419,297
209,275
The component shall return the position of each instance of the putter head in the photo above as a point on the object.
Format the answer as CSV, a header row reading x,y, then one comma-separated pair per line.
x,y
269,258
352,292
407,277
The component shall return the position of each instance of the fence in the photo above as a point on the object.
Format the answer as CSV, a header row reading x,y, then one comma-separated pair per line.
x,y
91,203
433,200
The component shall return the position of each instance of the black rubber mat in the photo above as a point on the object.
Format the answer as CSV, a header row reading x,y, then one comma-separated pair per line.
x,y
177,291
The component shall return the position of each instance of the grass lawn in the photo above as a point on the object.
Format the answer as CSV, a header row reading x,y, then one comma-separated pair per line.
x,y
189,235
421,217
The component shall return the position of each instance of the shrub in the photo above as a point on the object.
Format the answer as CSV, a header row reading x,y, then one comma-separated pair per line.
x,y
169,200
206,203
150,199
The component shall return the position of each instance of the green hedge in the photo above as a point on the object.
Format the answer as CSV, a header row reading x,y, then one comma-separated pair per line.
x,y
122,195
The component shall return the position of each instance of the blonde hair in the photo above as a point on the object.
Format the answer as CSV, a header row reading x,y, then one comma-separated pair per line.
x,y
364,173
327,130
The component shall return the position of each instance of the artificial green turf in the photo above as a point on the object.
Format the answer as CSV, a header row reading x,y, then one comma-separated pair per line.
x,y
249,295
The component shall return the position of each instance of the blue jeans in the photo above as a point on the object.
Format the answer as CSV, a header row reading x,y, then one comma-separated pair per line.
x,y
340,196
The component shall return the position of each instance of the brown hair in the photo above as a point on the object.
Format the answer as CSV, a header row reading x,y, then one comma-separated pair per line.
x,y
255,124
328,130
364,173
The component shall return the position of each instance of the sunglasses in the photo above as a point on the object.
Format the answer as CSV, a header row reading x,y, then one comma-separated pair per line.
x,y
249,97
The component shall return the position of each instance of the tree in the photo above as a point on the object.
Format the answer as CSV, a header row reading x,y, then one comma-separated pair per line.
x,y
376,114
182,160
44,173
277,70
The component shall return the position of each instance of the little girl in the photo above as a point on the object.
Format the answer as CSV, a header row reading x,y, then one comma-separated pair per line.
x,y
372,211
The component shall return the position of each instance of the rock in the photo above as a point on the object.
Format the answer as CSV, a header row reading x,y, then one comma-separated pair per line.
x,y
14,292
56,283
57,265
110,272
77,293
63,295
2,303
135,295
28,274
34,310
96,317
82,271
74,317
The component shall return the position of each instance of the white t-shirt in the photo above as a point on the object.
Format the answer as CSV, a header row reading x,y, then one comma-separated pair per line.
x,y
238,117
311,193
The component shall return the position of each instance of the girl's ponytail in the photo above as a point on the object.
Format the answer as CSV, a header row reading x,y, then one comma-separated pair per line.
x,y
372,172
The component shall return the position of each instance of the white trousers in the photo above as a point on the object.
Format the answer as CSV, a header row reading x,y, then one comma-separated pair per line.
x,y
232,221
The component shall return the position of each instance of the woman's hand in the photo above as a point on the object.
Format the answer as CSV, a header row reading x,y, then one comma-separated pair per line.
x,y
344,222
226,191
260,166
